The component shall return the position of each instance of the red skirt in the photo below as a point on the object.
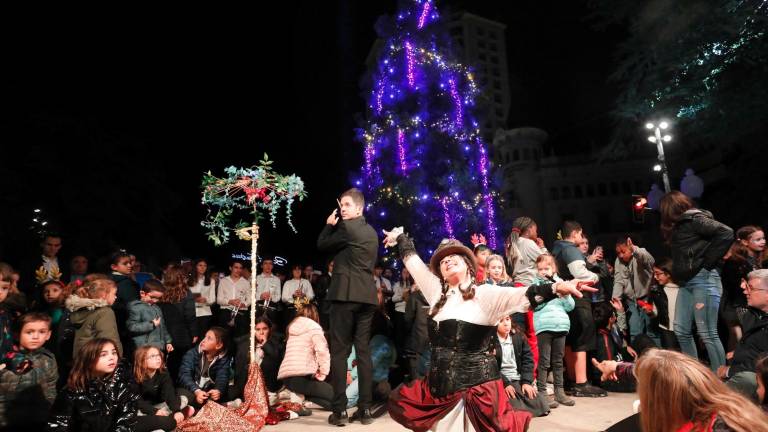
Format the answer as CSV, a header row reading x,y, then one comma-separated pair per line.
x,y
486,405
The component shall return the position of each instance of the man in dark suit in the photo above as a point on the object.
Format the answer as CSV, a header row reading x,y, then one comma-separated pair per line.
x,y
354,246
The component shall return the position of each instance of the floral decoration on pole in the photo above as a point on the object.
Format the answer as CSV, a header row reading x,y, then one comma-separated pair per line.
x,y
250,191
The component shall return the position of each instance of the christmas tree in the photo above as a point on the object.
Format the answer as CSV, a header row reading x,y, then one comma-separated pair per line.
x,y
426,166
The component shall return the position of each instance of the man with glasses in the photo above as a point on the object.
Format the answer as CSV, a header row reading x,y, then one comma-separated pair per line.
x,y
740,375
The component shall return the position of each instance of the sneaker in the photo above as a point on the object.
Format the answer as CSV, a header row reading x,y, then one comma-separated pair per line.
x,y
588,390
304,411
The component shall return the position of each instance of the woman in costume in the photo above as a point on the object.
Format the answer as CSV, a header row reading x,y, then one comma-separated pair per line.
x,y
463,390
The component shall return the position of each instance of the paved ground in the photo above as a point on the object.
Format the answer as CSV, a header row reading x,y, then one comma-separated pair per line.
x,y
588,415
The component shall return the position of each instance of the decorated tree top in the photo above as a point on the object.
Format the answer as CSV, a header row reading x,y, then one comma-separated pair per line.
x,y
702,64
425,163
251,190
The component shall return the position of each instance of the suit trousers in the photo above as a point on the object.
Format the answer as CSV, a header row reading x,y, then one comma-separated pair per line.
x,y
351,323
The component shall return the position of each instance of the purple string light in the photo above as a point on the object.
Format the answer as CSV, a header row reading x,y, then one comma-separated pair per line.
x,y
447,217
401,150
369,150
409,59
487,196
379,96
424,14
457,101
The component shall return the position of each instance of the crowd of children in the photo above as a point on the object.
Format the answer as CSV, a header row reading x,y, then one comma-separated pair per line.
x,y
130,350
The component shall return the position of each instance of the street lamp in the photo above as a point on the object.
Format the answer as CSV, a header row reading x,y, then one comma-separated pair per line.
x,y
659,140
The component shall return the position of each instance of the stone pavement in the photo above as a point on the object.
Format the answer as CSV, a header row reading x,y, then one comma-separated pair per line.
x,y
588,415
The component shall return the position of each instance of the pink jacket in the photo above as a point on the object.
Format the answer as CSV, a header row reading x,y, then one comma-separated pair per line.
x,y
306,352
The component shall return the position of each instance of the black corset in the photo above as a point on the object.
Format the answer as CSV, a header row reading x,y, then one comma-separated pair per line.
x,y
460,356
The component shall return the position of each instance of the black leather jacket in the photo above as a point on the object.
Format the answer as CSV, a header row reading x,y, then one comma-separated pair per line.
x,y
698,241
107,405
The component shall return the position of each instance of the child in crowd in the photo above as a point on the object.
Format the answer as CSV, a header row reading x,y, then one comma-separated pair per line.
x,y
62,330
203,288
205,368
663,297
91,312
516,364
497,275
28,387
496,271
611,344
98,395
6,335
552,325
145,319
307,360
270,350
178,307
54,294
482,252
633,277
121,266
15,302
158,400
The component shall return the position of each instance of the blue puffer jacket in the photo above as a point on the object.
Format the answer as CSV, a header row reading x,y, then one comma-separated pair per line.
x,y
191,369
553,315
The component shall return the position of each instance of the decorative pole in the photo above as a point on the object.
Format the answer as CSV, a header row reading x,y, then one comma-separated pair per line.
x,y
252,189
252,233
254,247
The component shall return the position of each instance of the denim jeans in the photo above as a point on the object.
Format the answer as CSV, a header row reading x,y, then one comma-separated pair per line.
x,y
640,323
699,299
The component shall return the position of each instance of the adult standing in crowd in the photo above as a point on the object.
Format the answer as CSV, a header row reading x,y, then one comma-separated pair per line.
x,y
697,242
353,244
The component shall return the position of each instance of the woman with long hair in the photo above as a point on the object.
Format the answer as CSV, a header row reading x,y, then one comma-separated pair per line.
x,y
676,391
697,242
747,253
203,289
178,308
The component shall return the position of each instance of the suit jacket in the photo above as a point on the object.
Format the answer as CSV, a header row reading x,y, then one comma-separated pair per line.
x,y
354,246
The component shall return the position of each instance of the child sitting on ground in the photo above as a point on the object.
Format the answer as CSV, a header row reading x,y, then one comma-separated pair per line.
x,y
28,386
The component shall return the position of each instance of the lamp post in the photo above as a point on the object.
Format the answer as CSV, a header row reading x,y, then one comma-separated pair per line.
x,y
659,140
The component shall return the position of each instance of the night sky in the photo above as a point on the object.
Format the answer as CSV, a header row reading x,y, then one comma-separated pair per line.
x,y
108,126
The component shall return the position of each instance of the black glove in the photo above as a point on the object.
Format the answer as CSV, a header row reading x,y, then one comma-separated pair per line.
x,y
405,246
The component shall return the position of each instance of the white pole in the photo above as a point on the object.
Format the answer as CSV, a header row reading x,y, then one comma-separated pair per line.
x,y
254,257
